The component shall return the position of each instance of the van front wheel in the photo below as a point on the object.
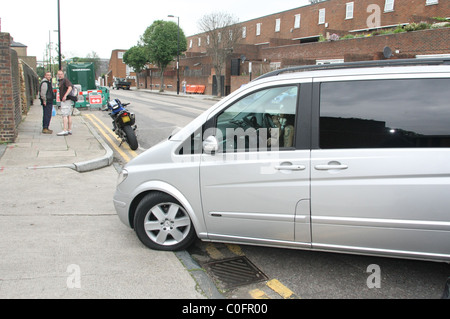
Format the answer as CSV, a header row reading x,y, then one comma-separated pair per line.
x,y
161,223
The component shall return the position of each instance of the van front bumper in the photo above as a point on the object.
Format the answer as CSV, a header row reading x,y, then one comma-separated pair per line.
x,y
122,209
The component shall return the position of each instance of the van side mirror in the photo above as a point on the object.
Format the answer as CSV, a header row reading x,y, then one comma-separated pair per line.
x,y
210,145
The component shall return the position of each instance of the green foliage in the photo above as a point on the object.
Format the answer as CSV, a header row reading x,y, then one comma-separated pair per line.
x,y
136,57
417,26
40,70
400,29
440,19
161,42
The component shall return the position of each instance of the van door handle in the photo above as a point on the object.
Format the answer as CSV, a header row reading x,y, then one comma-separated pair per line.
x,y
328,167
290,167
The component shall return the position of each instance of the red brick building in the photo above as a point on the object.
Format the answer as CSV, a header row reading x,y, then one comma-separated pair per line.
x,y
308,23
325,32
118,69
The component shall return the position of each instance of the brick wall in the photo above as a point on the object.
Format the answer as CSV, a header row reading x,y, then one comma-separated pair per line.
x,y
405,11
19,108
118,68
8,108
408,44
18,89
360,49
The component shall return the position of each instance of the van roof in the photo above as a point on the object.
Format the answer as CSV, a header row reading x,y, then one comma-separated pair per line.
x,y
358,65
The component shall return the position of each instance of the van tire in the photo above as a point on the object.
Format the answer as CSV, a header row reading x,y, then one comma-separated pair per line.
x,y
161,223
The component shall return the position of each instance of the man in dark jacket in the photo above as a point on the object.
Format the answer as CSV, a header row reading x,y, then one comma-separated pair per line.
x,y
46,96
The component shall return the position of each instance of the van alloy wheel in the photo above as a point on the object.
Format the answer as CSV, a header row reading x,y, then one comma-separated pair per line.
x,y
162,223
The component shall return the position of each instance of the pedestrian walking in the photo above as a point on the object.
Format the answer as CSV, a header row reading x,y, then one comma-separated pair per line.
x,y
183,85
46,96
65,87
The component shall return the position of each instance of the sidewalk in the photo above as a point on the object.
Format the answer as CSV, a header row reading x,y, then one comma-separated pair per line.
x,y
83,151
181,95
60,236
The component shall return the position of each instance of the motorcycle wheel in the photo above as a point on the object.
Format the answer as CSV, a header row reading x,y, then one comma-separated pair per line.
x,y
131,137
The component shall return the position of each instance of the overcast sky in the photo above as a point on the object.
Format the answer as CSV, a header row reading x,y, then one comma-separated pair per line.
x,y
104,25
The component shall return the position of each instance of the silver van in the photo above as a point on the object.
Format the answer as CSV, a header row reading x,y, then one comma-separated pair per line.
x,y
351,158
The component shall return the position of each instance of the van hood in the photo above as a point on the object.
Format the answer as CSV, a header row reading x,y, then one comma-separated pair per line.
x,y
158,154
186,131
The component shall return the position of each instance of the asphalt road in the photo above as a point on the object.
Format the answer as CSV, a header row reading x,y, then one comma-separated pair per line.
x,y
158,116
296,273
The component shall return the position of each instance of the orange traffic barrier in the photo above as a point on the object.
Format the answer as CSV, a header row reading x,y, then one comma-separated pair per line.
x,y
195,89
191,89
200,89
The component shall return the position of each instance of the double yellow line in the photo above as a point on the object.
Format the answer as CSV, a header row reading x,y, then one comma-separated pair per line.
x,y
276,286
273,284
102,129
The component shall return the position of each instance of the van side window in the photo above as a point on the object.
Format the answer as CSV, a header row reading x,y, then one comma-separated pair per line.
x,y
385,114
264,120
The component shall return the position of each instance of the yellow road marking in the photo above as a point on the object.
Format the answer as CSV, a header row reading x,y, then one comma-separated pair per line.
x,y
281,289
273,284
235,249
213,252
132,153
95,122
258,294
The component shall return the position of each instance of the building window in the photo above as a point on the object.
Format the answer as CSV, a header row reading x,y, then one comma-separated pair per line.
x,y
277,25
258,29
190,44
207,40
199,42
321,16
244,32
430,2
349,10
297,21
389,5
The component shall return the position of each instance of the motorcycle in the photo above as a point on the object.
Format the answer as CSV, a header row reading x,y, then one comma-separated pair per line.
x,y
123,123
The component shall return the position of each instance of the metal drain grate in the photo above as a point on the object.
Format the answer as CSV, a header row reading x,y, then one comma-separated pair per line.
x,y
234,272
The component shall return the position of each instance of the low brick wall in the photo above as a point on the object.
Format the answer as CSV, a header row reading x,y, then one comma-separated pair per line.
x,y
8,107
18,89
408,44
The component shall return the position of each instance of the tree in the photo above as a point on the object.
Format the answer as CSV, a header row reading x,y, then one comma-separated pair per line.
x,y
136,57
222,33
161,42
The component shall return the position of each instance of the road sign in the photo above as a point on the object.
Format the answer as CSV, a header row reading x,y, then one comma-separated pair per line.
x,y
95,99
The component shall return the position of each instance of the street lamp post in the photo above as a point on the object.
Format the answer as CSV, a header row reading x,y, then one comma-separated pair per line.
x,y
59,35
50,52
178,54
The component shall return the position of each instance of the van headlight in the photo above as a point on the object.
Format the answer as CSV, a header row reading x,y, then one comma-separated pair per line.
x,y
122,176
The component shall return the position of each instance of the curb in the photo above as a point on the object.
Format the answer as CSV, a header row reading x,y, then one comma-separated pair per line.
x,y
97,163
2,149
201,97
204,282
